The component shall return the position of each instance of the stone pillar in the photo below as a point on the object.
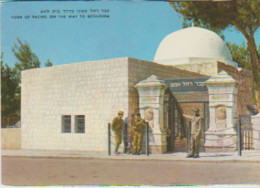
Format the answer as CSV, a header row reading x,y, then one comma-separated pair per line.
x,y
256,131
221,135
151,93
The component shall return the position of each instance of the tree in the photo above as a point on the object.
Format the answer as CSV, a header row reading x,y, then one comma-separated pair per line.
x,y
27,59
242,14
11,77
48,63
240,54
10,103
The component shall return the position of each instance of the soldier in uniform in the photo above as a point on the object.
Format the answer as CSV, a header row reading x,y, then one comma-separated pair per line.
x,y
196,131
117,126
138,128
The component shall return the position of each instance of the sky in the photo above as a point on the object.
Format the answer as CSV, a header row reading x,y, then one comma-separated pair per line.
x,y
133,29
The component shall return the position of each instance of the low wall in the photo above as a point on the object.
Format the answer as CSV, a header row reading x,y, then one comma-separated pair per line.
x,y
256,131
11,138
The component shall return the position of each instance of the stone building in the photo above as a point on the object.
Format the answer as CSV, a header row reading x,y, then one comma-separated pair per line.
x,y
68,107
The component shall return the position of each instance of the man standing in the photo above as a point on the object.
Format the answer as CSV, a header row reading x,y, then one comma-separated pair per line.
x,y
196,130
117,126
138,128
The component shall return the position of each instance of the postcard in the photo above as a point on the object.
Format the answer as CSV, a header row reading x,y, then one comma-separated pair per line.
x,y
129,93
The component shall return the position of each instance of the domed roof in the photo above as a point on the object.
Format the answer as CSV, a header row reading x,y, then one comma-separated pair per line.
x,y
192,43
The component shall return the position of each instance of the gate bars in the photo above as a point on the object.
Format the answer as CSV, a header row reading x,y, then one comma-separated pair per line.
x,y
239,137
244,134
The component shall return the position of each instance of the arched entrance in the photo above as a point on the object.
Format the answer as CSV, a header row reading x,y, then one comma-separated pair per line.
x,y
174,123
159,107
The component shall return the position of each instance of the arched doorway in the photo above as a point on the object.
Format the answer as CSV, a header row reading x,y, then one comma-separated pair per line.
x,y
174,124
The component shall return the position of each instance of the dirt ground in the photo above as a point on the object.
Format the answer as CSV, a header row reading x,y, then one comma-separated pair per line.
x,y
84,171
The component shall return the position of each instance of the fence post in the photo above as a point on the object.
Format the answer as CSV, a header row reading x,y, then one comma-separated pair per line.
x,y
204,125
109,141
147,139
189,136
239,137
125,136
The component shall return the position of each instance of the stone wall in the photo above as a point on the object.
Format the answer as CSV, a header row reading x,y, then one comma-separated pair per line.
x,y
205,68
95,89
140,70
256,131
244,77
11,138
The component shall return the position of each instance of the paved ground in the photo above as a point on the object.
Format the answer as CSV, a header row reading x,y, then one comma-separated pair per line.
x,y
248,156
90,171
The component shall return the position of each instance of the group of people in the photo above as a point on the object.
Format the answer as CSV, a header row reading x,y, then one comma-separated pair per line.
x,y
138,128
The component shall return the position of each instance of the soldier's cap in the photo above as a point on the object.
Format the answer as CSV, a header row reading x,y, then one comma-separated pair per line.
x,y
120,112
137,114
196,110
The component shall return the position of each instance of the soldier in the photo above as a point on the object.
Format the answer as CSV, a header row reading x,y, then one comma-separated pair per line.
x,y
130,133
138,128
196,130
117,126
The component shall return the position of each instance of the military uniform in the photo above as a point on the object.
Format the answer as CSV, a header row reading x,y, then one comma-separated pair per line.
x,y
138,128
196,131
117,126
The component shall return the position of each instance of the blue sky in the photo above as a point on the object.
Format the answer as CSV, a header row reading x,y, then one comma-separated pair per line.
x,y
134,29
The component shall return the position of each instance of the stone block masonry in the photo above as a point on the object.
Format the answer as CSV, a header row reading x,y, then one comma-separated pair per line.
x,y
243,76
245,80
139,70
96,90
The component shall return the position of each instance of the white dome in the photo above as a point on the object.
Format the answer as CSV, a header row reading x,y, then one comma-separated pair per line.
x,y
192,45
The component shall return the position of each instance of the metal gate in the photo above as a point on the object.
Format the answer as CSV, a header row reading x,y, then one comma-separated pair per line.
x,y
189,93
246,132
174,126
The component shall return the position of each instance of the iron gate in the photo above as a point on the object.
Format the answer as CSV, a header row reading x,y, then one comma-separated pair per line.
x,y
246,132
